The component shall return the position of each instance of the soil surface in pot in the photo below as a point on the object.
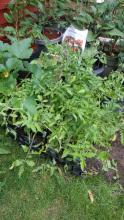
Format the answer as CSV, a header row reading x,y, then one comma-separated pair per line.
x,y
51,33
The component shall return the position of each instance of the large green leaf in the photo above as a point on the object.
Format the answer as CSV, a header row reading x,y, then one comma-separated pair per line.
x,y
115,32
3,46
2,68
7,84
14,64
21,49
10,30
29,105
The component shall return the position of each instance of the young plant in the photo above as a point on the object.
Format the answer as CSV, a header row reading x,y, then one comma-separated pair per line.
x,y
77,110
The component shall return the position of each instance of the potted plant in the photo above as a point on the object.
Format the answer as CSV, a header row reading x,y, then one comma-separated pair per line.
x,y
108,31
48,20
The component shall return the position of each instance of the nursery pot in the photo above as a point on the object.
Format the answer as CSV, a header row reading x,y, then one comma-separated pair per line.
x,y
4,39
112,64
54,36
37,49
98,68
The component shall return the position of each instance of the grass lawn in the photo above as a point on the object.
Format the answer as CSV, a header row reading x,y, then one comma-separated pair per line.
x,y
41,197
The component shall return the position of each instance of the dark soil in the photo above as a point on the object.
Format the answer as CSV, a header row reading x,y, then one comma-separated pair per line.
x,y
51,34
117,154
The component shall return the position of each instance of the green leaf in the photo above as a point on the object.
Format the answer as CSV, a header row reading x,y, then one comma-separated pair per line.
x,y
103,155
8,17
3,46
29,105
21,49
16,163
4,151
2,184
7,84
41,7
2,68
21,171
122,137
115,32
14,64
83,164
30,163
10,30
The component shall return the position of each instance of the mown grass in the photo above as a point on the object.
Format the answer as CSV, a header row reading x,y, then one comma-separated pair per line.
x,y
60,197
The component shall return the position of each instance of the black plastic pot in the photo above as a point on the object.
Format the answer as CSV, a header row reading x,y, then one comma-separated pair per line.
x,y
99,68
111,65
50,41
36,53
22,75
38,141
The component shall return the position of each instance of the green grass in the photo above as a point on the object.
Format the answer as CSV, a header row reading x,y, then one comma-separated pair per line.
x,y
41,197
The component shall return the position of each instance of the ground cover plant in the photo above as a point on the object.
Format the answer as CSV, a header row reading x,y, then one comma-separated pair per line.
x,y
77,110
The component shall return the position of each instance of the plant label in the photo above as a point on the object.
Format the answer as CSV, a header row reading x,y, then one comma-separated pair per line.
x,y
75,38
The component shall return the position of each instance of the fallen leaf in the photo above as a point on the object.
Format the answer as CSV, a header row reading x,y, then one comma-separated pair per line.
x,y
114,138
91,197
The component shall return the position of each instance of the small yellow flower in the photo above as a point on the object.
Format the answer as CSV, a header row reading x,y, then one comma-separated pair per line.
x,y
6,74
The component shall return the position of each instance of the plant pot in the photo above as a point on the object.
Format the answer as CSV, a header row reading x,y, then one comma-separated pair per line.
x,y
98,68
54,36
111,65
4,39
37,49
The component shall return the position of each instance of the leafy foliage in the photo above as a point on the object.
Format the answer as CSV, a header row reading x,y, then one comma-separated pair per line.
x,y
64,97
11,61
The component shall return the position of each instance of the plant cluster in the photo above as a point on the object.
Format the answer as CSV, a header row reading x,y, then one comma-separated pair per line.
x,y
78,110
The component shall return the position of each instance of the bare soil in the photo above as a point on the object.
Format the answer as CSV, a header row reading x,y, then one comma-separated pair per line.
x,y
117,154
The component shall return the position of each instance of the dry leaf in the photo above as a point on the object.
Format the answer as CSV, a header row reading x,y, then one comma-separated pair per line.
x,y
114,138
91,197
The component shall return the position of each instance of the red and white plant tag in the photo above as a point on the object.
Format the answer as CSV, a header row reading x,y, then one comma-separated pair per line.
x,y
75,38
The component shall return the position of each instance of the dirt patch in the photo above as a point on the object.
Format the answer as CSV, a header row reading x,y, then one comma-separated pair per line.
x,y
117,154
